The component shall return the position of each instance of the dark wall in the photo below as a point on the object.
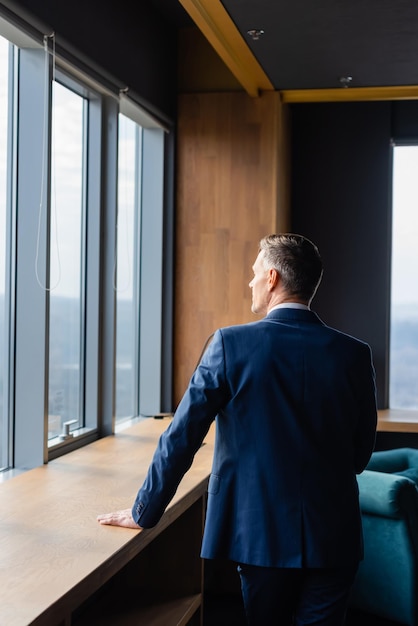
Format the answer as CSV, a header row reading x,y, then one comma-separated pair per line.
x,y
341,199
130,41
405,121
389,440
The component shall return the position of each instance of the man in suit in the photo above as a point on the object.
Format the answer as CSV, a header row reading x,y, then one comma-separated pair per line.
x,y
295,408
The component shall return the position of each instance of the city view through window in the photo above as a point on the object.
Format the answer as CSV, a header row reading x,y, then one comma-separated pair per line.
x,y
403,389
66,286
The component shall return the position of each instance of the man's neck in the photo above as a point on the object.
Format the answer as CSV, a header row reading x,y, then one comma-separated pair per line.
x,y
288,304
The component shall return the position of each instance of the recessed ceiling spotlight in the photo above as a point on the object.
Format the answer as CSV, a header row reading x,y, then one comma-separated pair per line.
x,y
255,33
345,81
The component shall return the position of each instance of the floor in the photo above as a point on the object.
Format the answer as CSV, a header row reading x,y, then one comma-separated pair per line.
x,y
355,618
223,604
226,610
223,610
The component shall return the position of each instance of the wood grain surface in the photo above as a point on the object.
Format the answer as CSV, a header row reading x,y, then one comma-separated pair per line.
x,y
232,189
53,552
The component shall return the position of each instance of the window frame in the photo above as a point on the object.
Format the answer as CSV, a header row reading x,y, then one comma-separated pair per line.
x,y
29,313
90,266
411,411
7,434
135,265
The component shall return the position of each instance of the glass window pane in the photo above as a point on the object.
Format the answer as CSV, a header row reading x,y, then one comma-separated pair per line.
x,y
66,302
4,101
403,390
127,333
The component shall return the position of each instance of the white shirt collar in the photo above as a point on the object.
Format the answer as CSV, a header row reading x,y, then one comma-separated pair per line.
x,y
290,305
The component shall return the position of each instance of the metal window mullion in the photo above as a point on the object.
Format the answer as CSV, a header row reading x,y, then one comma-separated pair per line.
x,y
93,222
151,296
31,319
83,281
137,263
108,204
10,255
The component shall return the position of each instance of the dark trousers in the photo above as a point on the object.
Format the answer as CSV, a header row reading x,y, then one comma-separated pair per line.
x,y
285,596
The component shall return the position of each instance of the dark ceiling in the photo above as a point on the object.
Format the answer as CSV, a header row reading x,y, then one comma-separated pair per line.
x,y
312,44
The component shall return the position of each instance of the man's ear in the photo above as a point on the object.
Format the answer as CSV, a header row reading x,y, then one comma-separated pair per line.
x,y
272,279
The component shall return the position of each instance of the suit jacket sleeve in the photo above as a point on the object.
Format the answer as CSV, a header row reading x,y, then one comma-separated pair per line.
x,y
206,394
365,434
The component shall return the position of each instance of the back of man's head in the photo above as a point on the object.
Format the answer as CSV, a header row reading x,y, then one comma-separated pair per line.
x,y
297,260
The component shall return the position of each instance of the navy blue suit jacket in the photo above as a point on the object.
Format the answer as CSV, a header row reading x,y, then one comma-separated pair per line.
x,y
295,409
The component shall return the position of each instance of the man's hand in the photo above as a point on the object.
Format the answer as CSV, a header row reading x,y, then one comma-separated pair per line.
x,y
118,518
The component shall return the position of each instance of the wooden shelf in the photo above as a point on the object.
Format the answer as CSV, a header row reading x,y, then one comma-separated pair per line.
x,y
59,567
163,584
177,612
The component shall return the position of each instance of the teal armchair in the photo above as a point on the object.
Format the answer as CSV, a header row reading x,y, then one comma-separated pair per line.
x,y
387,581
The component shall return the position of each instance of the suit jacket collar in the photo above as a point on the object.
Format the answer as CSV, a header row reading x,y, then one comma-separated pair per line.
x,y
295,315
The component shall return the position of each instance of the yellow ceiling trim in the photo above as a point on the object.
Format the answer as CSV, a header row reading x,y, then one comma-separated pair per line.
x,y
213,20
350,94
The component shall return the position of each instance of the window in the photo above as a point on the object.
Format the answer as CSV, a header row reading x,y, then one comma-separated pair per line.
x,y
403,388
81,183
5,166
128,256
66,263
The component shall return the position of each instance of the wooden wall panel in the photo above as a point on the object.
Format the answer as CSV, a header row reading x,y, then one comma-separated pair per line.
x,y
199,67
232,189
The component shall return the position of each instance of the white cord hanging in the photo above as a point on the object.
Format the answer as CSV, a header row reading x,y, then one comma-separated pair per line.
x,y
43,166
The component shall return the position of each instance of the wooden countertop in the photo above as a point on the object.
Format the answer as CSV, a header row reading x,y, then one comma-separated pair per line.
x,y
53,552
397,420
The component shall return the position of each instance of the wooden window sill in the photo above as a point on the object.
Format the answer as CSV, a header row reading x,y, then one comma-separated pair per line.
x,y
55,556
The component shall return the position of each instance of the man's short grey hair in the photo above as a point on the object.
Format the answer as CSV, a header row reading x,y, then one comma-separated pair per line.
x,y
297,260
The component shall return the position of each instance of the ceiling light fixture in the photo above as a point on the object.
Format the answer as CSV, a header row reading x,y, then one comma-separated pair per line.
x,y
255,33
345,81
